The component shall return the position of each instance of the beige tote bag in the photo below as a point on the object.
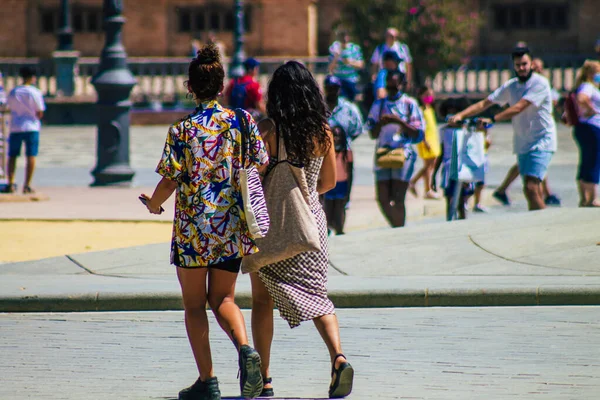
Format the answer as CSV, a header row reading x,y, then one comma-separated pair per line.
x,y
293,229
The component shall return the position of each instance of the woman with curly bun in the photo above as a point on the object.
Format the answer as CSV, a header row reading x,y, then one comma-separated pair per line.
x,y
298,286
201,162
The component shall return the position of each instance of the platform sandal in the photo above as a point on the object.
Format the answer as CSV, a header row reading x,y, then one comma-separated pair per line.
x,y
341,379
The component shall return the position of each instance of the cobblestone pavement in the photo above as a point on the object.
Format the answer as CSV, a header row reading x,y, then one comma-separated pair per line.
x,y
434,353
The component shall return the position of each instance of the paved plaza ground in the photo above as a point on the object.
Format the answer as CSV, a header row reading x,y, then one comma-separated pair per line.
x,y
68,155
413,353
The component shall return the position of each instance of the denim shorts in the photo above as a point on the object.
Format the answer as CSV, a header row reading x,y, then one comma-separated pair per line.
x,y
398,174
534,164
32,143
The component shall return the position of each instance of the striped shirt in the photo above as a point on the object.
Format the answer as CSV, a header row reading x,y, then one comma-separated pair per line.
x,y
351,52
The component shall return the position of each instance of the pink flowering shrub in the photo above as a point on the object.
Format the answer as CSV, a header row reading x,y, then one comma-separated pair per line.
x,y
439,33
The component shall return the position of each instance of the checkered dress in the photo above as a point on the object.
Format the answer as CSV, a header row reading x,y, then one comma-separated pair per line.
x,y
298,285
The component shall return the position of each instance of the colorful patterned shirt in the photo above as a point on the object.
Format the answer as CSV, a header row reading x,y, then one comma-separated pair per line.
x,y
350,52
202,154
347,116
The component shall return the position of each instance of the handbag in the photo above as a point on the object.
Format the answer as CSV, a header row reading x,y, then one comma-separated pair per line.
x,y
253,198
293,226
388,158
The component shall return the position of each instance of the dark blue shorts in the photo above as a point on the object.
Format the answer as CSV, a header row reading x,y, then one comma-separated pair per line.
x,y
339,192
15,142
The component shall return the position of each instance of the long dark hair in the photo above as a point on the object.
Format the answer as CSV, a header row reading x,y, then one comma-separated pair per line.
x,y
296,105
206,73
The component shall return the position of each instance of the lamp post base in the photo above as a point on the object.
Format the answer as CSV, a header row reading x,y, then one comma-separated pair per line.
x,y
114,175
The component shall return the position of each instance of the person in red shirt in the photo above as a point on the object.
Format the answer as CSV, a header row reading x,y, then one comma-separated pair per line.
x,y
245,92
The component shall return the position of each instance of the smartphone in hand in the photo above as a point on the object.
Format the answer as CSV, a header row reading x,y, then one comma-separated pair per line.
x,y
144,201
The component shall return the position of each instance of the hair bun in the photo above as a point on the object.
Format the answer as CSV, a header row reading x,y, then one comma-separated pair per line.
x,y
208,54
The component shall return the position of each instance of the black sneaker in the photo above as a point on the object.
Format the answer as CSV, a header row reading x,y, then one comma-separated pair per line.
x,y
552,200
10,188
251,382
502,198
207,390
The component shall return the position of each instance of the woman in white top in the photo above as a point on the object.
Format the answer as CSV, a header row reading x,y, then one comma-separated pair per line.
x,y
587,132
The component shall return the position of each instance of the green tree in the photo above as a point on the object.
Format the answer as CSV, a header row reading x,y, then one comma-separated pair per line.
x,y
439,33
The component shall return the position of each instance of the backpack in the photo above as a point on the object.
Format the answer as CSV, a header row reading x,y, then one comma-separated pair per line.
x,y
570,116
239,92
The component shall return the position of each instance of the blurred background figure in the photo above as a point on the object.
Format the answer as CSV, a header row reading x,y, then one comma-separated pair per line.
x,y
392,43
26,104
335,199
587,133
345,62
429,149
390,62
245,92
347,116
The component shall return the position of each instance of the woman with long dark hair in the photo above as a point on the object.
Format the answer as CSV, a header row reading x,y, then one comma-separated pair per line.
x,y
202,160
298,286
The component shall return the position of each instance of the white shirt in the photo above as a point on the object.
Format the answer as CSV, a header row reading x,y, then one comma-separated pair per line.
x,y
534,128
25,102
593,93
400,48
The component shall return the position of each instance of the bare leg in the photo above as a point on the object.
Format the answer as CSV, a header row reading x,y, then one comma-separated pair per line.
x,y
580,185
29,170
534,193
328,327
384,199
399,189
12,167
262,323
221,292
339,216
193,288
589,194
546,188
478,191
511,175
427,175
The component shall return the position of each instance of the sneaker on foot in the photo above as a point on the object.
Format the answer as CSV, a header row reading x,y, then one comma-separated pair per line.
x,y
207,390
552,200
251,382
28,190
479,209
10,188
431,195
502,198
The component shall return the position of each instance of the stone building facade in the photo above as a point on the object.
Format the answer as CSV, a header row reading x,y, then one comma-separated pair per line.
x,y
165,28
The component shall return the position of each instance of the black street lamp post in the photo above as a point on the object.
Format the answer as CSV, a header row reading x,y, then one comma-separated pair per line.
x,y
65,58
65,33
236,69
113,83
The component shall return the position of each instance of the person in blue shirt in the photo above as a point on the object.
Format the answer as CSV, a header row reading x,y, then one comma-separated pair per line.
x,y
391,62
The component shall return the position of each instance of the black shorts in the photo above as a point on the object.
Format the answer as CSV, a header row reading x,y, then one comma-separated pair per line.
x,y
233,265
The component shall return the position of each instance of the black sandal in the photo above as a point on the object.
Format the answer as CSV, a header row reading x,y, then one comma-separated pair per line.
x,y
341,386
267,392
